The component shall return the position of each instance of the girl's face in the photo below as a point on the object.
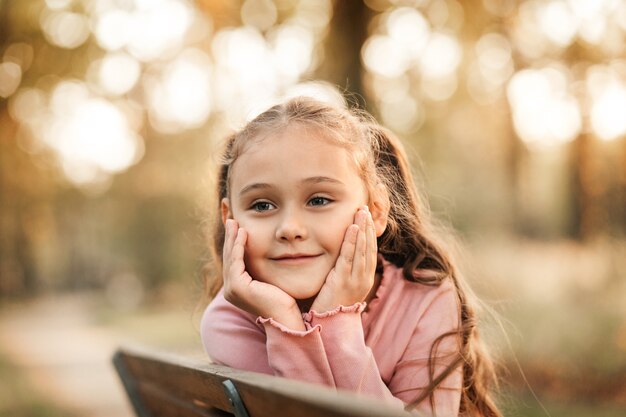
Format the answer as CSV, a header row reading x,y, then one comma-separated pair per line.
x,y
295,193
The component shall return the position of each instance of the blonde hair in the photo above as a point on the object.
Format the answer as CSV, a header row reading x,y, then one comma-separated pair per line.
x,y
409,241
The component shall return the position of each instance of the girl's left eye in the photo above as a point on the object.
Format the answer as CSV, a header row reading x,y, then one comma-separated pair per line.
x,y
319,201
262,206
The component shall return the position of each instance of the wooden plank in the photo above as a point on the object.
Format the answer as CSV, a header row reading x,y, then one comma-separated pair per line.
x,y
162,403
165,381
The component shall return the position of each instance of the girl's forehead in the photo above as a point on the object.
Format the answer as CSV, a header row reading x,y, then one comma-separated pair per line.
x,y
294,132
294,152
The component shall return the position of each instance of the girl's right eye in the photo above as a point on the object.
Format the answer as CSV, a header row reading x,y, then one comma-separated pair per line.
x,y
261,206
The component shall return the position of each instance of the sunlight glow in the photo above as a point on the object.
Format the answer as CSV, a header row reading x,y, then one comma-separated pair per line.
x,y
261,14
607,113
148,29
236,51
561,22
607,91
278,62
117,73
58,4
439,89
391,89
113,29
291,48
181,97
313,15
558,22
408,26
92,138
240,50
90,135
10,78
159,27
441,57
320,90
65,29
20,53
383,55
26,103
403,114
544,113
493,67
404,41
494,57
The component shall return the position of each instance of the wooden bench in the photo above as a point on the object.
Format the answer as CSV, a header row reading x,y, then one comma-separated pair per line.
x,y
160,384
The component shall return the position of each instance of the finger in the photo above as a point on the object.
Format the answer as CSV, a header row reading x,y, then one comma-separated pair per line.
x,y
372,245
238,250
235,270
230,227
360,250
346,253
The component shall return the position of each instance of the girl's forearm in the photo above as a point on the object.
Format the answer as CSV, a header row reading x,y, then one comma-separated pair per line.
x,y
291,318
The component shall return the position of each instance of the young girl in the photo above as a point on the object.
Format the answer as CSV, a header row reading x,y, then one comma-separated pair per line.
x,y
331,273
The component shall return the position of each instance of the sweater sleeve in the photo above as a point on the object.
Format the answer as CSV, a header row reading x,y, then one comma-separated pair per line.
x,y
351,361
354,367
235,338
231,337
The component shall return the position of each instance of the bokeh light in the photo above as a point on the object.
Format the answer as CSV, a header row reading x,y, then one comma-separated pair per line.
x,y
65,29
91,135
384,56
10,77
408,27
180,97
116,73
261,14
441,56
608,101
544,112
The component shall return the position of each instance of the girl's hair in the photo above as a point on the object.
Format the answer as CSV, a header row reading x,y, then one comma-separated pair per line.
x,y
408,241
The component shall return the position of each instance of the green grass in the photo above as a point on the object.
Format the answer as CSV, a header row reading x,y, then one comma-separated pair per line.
x,y
19,399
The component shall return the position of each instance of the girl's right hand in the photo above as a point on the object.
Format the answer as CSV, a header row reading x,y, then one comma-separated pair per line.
x,y
256,297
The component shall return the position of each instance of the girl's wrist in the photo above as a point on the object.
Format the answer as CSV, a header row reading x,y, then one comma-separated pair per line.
x,y
291,318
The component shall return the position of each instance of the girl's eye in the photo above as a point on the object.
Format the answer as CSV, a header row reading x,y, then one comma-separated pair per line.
x,y
319,201
261,206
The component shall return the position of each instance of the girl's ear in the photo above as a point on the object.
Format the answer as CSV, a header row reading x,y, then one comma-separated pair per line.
x,y
225,209
379,207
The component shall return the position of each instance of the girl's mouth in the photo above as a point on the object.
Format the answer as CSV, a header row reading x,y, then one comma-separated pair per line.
x,y
294,259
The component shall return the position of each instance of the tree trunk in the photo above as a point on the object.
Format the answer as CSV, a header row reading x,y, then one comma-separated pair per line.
x,y
342,60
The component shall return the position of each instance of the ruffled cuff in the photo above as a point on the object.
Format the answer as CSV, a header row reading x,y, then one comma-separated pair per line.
x,y
284,329
354,308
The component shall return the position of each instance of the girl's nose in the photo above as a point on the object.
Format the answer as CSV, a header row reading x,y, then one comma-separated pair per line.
x,y
291,227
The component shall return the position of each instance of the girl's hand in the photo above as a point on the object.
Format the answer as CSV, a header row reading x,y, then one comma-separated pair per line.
x,y
255,297
352,278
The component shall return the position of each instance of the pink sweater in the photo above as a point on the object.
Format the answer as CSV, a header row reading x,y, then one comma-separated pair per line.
x,y
382,352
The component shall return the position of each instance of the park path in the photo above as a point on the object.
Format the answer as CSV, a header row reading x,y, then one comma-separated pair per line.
x,y
64,355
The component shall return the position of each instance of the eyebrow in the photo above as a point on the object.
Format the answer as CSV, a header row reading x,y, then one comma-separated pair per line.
x,y
310,180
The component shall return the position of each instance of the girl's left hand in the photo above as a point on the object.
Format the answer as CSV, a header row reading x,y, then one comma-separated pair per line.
x,y
352,278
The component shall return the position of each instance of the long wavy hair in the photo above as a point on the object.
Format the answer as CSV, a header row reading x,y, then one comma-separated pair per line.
x,y
410,241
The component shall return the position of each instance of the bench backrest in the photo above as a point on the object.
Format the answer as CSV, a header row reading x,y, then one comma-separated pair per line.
x,y
165,385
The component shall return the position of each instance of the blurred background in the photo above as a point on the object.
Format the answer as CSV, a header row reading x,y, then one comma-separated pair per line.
x,y
111,112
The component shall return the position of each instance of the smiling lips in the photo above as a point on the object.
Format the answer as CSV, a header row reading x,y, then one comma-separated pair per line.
x,y
294,259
